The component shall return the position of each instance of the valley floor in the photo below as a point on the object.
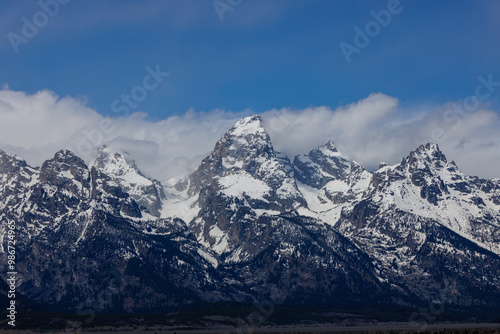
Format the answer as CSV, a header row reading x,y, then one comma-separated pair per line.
x,y
457,328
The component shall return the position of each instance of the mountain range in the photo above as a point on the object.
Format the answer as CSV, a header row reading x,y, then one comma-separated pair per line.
x,y
251,225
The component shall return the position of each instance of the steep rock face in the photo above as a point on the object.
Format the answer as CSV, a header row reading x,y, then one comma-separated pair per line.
x,y
82,242
243,178
321,166
425,184
418,256
247,199
116,267
422,231
330,182
248,226
39,197
147,193
246,152
16,178
301,262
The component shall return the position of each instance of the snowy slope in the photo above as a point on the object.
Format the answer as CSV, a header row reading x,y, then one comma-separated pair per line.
x,y
147,192
427,185
248,223
329,182
242,179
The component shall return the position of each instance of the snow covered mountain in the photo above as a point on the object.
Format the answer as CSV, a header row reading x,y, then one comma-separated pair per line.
x,y
147,192
426,184
242,179
329,182
424,222
82,241
249,225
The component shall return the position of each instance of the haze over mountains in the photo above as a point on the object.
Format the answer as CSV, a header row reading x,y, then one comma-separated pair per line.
x,y
251,224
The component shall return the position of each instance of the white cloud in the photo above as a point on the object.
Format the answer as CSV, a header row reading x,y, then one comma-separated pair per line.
x,y
376,129
371,130
352,127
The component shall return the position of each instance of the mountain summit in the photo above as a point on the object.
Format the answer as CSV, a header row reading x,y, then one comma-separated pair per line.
x,y
243,178
250,224
147,192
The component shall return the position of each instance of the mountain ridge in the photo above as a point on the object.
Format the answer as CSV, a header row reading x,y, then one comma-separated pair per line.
x,y
250,223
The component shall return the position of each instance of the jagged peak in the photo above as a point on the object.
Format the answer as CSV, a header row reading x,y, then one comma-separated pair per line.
x,y
329,149
3,153
64,153
429,152
115,162
67,156
247,126
382,165
107,154
65,164
106,150
429,147
11,162
331,146
15,157
246,139
426,158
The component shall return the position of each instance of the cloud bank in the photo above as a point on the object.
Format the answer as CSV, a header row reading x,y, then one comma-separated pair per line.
x,y
369,131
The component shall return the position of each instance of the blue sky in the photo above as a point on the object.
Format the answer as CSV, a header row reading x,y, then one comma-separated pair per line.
x,y
263,55
414,70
